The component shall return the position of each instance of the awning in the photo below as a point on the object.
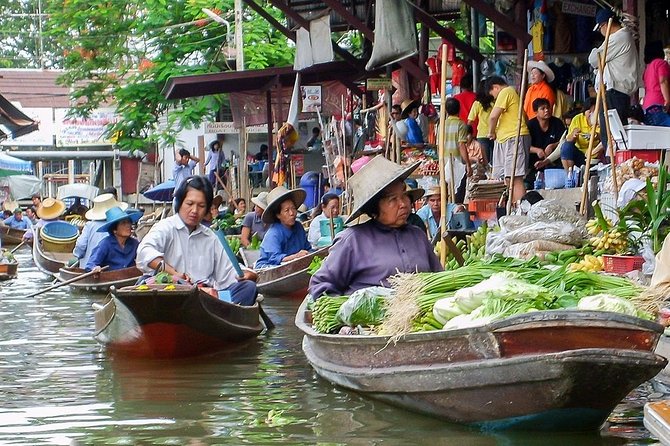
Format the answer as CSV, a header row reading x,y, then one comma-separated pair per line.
x,y
81,190
14,166
14,120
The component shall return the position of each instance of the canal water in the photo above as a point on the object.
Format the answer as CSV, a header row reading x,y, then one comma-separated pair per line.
x,y
59,387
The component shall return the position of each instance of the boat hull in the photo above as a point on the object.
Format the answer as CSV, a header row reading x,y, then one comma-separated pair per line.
x,y
555,370
289,280
48,262
159,323
8,270
11,237
100,282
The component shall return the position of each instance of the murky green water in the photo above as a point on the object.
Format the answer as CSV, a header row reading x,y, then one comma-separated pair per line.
x,y
59,387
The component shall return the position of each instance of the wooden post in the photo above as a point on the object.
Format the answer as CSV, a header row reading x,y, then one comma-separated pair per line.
x,y
589,152
441,148
522,95
244,166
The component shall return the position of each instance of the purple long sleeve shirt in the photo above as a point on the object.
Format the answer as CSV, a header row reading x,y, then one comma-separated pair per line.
x,y
368,254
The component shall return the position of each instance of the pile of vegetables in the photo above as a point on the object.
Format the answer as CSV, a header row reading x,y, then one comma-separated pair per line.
x,y
314,265
235,243
472,248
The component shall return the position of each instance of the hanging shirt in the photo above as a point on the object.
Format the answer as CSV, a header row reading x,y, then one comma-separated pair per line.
x,y
110,253
368,254
279,242
88,240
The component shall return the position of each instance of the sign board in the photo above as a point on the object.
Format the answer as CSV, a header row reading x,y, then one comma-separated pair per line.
x,y
588,10
378,83
75,131
228,128
311,98
298,161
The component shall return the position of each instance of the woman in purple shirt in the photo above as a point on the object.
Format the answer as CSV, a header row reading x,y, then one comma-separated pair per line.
x,y
285,240
368,254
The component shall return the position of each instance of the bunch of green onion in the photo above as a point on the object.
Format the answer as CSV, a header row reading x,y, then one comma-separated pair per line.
x,y
324,313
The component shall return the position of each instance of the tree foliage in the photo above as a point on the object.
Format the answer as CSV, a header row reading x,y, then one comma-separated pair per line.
x,y
123,52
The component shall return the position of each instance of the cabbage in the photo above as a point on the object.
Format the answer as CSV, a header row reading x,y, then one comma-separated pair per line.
x,y
607,302
445,309
507,286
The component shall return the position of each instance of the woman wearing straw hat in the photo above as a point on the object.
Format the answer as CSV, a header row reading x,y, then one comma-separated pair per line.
x,y
540,75
368,254
183,247
285,240
253,222
90,237
50,210
118,250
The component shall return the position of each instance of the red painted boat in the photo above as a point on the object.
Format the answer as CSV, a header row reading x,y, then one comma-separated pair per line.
x,y
171,321
288,280
546,370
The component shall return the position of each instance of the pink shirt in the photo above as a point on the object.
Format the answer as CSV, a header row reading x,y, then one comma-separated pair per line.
x,y
655,70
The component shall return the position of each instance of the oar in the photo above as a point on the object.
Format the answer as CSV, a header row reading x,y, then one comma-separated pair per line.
x,y
67,282
18,246
238,269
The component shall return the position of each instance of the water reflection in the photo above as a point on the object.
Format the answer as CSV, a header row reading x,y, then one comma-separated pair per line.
x,y
59,386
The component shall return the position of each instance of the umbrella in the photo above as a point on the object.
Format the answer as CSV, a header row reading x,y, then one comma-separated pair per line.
x,y
81,190
161,192
22,186
14,166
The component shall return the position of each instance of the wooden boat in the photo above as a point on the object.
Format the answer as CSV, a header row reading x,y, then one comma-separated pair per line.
x,y
170,321
553,370
46,261
100,282
10,236
290,279
8,270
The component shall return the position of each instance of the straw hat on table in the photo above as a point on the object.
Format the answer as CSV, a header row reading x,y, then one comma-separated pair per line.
x,y
101,204
276,197
51,209
369,182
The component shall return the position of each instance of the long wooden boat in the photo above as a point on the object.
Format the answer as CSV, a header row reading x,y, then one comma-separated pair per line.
x,y
48,262
11,237
8,270
100,282
288,280
171,321
553,370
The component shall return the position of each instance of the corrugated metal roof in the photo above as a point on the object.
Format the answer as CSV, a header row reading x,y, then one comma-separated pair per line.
x,y
34,88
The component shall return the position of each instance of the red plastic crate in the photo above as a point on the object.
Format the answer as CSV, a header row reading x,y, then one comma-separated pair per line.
x,y
483,208
650,156
622,264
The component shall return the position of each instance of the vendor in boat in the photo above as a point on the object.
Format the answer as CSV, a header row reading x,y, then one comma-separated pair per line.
x,y
329,208
90,237
17,221
182,246
50,210
285,240
369,253
252,222
118,250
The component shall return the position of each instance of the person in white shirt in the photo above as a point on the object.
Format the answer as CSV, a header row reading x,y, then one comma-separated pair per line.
x,y
183,247
330,207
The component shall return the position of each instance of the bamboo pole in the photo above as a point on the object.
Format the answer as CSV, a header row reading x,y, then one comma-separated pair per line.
x,y
589,152
522,96
440,150
610,138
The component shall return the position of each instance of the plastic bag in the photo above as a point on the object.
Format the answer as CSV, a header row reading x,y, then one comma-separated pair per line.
x,y
558,231
512,222
536,248
365,306
549,211
496,243
647,253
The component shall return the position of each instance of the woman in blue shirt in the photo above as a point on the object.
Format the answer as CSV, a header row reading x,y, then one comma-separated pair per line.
x,y
285,240
118,249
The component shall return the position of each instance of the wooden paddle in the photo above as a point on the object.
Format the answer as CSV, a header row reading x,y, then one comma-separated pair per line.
x,y
238,269
17,247
67,282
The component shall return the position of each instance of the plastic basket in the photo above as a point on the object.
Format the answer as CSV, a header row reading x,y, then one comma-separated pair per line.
x,y
483,208
622,264
650,156
554,178
57,230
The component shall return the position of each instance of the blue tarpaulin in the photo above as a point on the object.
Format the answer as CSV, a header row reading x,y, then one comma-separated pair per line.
x,y
14,166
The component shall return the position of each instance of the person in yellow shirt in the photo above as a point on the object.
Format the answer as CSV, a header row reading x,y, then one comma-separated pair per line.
x,y
504,124
573,151
478,118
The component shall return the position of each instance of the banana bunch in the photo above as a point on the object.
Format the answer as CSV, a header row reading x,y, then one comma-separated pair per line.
x,y
588,263
611,240
477,240
594,228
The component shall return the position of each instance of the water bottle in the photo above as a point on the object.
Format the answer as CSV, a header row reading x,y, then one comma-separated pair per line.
x,y
570,179
576,175
539,181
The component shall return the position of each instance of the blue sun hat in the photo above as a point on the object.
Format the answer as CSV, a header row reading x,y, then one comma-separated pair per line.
x,y
115,215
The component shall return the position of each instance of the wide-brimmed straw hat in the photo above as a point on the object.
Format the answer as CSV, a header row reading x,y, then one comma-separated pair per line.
x,y
101,204
543,67
375,176
51,208
407,105
115,215
261,200
414,193
10,205
276,197
432,191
